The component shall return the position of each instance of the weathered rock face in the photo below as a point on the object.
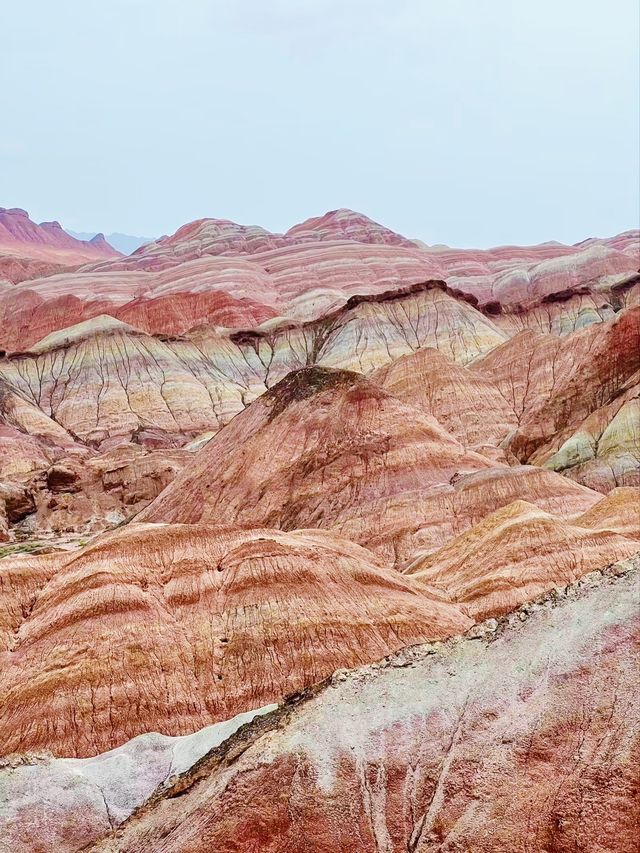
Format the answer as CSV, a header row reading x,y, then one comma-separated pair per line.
x,y
519,552
67,486
17,502
173,627
525,739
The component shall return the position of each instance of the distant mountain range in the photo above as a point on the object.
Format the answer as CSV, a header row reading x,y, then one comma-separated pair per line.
x,y
125,243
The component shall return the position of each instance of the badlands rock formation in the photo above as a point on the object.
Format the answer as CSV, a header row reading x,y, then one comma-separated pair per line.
x,y
214,271
104,378
171,628
237,461
521,738
330,449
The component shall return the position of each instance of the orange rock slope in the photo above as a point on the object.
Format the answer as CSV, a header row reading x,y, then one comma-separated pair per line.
x,y
169,628
519,552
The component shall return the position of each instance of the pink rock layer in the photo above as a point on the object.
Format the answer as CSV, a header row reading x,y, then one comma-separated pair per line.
x,y
47,241
214,271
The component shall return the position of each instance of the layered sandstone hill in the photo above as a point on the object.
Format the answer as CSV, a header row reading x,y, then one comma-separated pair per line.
x,y
330,449
526,735
28,249
575,399
215,271
174,627
519,552
15,268
104,378
507,276
469,405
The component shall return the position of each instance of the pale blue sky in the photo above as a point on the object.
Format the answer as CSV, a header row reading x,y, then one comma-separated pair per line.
x,y
455,121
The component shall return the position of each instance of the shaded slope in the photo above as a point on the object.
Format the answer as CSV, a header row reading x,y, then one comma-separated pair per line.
x,y
603,451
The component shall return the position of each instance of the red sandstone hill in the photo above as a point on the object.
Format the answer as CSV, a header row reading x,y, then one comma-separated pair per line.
x,y
170,628
454,746
327,448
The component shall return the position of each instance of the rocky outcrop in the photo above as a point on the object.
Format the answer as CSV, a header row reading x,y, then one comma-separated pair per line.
x,y
525,735
72,487
170,628
17,502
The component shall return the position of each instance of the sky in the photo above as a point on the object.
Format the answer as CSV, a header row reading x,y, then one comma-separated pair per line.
x,y
460,122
